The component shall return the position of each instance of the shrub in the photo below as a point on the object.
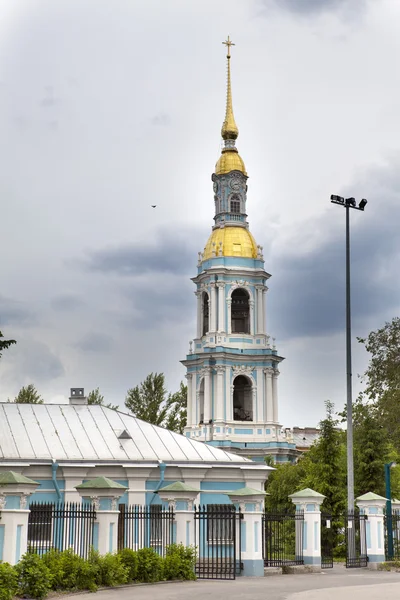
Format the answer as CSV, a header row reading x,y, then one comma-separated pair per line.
x,y
8,581
70,571
130,560
179,562
34,577
149,566
109,569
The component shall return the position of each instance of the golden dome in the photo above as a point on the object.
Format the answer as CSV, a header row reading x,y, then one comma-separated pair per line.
x,y
236,241
229,161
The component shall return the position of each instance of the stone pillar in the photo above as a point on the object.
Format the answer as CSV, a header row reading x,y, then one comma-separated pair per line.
x,y
264,297
269,395
14,492
104,493
275,395
308,532
259,309
213,308
199,314
189,378
260,395
251,504
229,313
251,316
207,396
180,498
221,306
219,398
373,506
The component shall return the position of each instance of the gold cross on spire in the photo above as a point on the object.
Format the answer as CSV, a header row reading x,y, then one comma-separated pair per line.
x,y
228,45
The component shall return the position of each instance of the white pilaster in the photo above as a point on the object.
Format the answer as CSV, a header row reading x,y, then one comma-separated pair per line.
x,y
189,378
207,395
259,309
195,416
213,307
251,304
219,399
199,314
269,395
275,395
229,312
221,306
264,311
260,395
227,399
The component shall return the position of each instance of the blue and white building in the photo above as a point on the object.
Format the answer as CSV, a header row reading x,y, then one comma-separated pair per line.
x,y
232,366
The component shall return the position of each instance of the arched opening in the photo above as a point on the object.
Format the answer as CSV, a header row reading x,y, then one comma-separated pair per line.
x,y
242,399
201,402
206,313
235,205
240,312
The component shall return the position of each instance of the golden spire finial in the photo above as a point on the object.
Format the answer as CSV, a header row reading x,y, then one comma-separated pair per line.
x,y
229,129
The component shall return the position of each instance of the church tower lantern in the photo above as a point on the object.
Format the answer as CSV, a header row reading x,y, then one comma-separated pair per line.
x,y
232,367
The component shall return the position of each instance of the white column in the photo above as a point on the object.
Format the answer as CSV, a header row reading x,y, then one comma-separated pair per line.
x,y
184,516
207,397
269,395
213,307
229,311
259,309
221,306
199,314
260,396
372,505
219,399
264,313
227,398
107,523
251,304
189,378
251,507
275,395
195,417
15,524
308,532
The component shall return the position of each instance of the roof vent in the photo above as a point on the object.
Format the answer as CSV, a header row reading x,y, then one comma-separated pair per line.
x,y
77,396
124,435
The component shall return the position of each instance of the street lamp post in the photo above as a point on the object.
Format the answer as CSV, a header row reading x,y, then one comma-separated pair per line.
x,y
389,522
348,203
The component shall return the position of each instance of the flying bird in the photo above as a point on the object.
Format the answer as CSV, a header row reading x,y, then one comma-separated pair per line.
x,y
153,205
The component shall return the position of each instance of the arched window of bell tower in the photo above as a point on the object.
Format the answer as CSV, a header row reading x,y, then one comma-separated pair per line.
x,y
206,314
201,402
240,311
235,205
242,399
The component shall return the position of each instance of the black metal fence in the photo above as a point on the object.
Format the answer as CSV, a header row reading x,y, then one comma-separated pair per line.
x,y
327,541
283,538
145,527
356,540
218,541
61,526
392,536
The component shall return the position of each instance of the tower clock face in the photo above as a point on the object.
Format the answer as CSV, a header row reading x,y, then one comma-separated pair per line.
x,y
235,183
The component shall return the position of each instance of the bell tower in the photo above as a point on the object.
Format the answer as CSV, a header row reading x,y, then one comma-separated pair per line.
x,y
232,367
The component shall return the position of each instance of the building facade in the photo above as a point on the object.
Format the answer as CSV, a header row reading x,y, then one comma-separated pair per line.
x,y
232,366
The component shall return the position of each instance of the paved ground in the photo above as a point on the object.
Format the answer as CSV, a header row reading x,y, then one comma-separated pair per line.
x,y
332,584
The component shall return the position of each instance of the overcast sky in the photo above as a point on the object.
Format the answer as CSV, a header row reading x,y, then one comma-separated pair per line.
x,y
108,107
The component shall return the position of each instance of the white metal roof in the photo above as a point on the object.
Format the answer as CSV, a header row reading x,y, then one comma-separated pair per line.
x,y
63,432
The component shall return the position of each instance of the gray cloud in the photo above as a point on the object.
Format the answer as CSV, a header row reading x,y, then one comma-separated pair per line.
x,y
67,302
169,254
35,362
15,313
94,342
49,100
308,7
308,296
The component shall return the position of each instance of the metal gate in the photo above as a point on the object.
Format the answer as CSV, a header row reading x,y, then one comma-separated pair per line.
x,y
356,540
392,536
283,539
145,527
327,541
217,540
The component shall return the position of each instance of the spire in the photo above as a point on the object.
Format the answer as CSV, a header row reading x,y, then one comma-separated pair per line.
x,y
229,129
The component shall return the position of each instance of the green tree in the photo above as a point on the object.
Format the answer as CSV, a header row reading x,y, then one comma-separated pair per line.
x,y
28,395
147,401
382,376
95,397
176,418
4,344
325,464
285,480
